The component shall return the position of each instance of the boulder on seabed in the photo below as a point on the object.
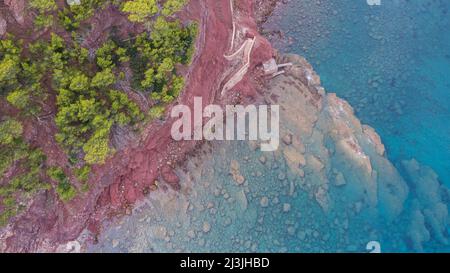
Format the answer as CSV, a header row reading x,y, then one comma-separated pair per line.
x,y
430,217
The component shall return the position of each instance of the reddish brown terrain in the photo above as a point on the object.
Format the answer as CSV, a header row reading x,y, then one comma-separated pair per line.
x,y
146,164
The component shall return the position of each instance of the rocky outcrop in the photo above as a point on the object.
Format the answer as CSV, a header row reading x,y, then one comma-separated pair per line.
x,y
170,177
2,26
17,8
328,146
263,10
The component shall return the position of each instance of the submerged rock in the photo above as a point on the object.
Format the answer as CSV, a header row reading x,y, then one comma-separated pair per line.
x,y
339,180
264,202
206,227
429,217
287,139
235,172
170,177
262,159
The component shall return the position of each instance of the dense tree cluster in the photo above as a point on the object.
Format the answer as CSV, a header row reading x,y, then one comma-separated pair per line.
x,y
88,104
9,65
71,17
43,5
19,77
20,85
23,162
156,56
86,85
139,10
172,6
44,9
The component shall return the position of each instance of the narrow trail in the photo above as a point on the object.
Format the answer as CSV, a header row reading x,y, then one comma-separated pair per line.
x,y
246,48
234,25
239,75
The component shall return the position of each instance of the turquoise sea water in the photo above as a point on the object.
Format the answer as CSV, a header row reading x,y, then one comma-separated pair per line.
x,y
390,62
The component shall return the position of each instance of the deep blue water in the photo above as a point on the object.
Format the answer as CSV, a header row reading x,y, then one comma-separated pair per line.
x,y
391,62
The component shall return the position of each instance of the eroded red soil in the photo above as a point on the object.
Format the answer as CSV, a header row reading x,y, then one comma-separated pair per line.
x,y
146,165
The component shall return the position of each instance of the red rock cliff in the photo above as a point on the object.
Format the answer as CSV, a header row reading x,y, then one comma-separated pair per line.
x,y
134,171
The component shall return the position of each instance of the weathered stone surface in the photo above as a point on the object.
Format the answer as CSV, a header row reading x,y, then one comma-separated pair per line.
x,y
17,8
287,139
294,157
315,163
170,177
3,25
374,138
339,180
326,133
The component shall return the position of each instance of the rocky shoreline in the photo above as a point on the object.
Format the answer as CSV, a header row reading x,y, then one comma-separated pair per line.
x,y
328,188
329,171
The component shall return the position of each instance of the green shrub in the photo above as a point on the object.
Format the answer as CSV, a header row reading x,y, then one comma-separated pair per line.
x,y
103,79
83,173
64,189
172,6
10,130
139,10
156,112
28,160
43,5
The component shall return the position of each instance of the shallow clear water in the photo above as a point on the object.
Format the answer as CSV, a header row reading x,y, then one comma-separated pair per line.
x,y
391,62
270,212
214,214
